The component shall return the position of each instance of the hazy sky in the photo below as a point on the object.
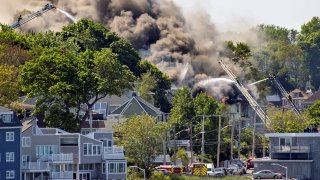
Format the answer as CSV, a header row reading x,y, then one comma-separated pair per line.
x,y
243,14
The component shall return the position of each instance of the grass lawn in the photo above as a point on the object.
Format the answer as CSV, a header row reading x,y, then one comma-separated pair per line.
x,y
226,178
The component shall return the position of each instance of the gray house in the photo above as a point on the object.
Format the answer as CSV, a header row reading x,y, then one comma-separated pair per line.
x,y
298,152
51,153
108,112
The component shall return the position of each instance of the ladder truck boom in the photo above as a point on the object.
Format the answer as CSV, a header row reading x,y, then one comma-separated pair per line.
x,y
22,20
253,103
285,94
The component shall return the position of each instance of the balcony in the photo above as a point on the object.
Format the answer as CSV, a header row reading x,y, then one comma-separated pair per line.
x,y
114,152
35,166
291,149
57,158
62,175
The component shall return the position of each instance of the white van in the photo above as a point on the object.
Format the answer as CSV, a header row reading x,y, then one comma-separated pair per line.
x,y
210,167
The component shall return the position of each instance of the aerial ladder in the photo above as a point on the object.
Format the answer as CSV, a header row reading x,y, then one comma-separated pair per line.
x,y
284,93
22,20
253,103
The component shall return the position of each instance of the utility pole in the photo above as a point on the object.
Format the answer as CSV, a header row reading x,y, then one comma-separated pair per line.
x,y
202,141
164,146
254,133
90,118
191,149
263,139
232,134
239,139
175,145
218,148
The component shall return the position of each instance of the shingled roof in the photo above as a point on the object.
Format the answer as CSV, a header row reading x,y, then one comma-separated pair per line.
x,y
137,106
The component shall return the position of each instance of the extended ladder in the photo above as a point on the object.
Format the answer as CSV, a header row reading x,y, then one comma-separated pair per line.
x,y
253,103
285,94
22,20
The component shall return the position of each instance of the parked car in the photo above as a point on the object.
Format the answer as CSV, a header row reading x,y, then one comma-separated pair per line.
x,y
220,171
218,175
266,174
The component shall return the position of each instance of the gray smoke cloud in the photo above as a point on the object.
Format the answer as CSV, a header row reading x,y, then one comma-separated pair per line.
x,y
184,47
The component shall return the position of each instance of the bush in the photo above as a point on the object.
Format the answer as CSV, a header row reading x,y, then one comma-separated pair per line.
x,y
158,175
176,177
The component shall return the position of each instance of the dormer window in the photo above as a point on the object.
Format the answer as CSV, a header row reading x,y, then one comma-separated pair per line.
x,y
6,118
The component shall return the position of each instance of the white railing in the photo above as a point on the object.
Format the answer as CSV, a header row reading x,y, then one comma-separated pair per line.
x,y
35,166
57,157
114,152
291,149
62,175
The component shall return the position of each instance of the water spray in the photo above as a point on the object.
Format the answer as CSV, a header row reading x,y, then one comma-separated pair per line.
x,y
258,82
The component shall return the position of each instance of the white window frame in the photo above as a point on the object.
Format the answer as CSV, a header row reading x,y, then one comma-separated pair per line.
x,y
87,149
9,136
34,130
286,139
124,167
26,142
9,156
96,150
10,174
5,119
25,160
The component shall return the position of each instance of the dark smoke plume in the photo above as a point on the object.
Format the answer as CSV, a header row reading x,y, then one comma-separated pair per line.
x,y
185,48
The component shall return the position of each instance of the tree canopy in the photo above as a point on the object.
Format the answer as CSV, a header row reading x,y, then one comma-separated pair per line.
x,y
142,139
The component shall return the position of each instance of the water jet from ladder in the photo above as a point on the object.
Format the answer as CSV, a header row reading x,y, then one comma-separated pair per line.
x,y
74,19
258,82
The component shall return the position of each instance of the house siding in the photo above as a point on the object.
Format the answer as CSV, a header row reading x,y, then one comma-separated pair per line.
x,y
10,146
300,164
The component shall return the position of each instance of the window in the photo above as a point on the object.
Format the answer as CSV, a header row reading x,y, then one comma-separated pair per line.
x,y
86,167
9,174
26,142
34,130
9,136
87,149
112,167
107,142
46,150
69,142
9,156
6,118
121,168
96,150
103,168
285,141
25,160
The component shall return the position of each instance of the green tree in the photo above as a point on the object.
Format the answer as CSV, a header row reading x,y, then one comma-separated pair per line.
x,y
279,54
182,154
163,83
309,41
9,86
313,113
142,139
182,107
285,121
146,85
89,35
58,76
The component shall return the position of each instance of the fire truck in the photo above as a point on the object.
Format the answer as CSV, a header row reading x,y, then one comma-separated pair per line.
x,y
172,168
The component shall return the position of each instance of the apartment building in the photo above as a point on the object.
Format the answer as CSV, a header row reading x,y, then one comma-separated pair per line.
x,y
51,153
298,152
10,151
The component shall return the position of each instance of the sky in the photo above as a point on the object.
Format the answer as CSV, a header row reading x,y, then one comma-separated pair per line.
x,y
244,14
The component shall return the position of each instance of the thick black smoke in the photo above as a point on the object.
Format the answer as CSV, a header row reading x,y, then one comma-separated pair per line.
x,y
185,48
